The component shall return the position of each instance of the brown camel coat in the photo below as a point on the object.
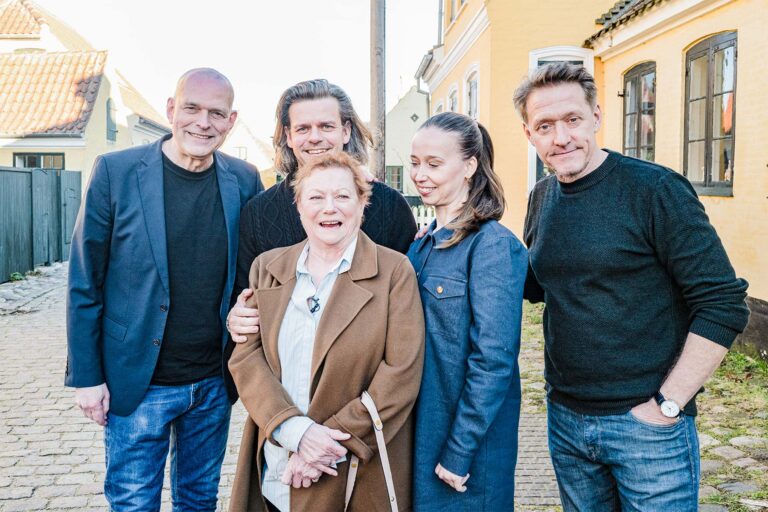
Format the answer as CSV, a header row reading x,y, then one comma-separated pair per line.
x,y
371,337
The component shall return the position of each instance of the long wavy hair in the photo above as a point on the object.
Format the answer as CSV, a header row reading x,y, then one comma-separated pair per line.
x,y
485,199
360,139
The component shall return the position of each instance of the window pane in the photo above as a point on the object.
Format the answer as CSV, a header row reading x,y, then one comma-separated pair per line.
x,y
697,111
33,161
647,154
630,96
646,130
631,152
58,162
722,161
630,131
695,171
698,74
725,69
648,91
722,109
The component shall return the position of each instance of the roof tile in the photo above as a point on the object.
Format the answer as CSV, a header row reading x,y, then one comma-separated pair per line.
x,y
20,18
48,93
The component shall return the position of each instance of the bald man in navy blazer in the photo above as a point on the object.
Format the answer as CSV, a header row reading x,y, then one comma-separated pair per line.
x,y
151,272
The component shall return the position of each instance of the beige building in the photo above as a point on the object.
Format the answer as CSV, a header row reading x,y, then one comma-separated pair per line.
x,y
677,79
62,103
243,144
402,121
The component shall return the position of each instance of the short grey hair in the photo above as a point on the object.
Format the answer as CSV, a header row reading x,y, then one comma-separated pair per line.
x,y
554,74
208,73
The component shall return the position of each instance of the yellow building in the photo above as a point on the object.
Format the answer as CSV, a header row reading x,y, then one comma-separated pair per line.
x,y
62,103
676,78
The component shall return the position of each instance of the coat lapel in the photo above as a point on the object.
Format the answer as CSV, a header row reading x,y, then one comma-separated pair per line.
x,y
273,301
346,300
150,178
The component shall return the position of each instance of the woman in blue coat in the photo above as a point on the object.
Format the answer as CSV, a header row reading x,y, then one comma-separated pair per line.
x,y
471,272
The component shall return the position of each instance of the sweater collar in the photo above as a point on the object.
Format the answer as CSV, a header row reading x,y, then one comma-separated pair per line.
x,y
594,177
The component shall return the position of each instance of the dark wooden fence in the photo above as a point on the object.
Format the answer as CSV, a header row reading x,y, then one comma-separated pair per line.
x,y
38,208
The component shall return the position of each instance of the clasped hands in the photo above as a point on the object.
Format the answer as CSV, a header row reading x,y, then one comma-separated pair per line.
x,y
319,449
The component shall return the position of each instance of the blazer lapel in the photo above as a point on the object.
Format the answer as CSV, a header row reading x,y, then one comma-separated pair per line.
x,y
150,178
230,201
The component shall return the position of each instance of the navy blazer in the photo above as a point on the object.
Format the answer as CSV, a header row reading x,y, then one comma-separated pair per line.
x,y
119,295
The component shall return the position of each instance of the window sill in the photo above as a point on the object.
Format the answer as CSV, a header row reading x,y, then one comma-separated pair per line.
x,y
713,191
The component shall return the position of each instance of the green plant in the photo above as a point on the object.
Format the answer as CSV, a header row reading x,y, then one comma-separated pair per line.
x,y
16,276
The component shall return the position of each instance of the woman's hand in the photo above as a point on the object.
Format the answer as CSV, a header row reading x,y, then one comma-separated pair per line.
x,y
298,473
319,447
455,481
242,320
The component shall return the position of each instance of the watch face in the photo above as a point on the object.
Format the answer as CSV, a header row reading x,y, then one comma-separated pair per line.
x,y
670,409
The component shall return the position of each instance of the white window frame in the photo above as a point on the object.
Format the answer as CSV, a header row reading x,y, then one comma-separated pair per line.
x,y
473,69
554,53
454,88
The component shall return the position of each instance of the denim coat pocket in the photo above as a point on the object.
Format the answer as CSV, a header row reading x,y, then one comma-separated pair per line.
x,y
446,304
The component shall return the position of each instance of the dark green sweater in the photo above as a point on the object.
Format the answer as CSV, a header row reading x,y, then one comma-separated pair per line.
x,y
627,264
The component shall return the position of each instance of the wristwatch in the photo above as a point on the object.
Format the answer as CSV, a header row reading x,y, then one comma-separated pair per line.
x,y
669,408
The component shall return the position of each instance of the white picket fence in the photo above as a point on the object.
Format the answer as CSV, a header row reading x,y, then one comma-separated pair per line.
x,y
424,215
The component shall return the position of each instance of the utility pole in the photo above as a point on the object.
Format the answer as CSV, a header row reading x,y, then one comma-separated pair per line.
x,y
378,87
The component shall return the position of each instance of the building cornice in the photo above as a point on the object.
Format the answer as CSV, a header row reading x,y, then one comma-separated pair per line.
x,y
443,66
651,24
49,142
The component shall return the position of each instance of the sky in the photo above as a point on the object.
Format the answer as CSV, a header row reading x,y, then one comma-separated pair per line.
x,y
262,46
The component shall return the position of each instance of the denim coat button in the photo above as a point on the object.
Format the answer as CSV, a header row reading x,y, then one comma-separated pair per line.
x,y
439,289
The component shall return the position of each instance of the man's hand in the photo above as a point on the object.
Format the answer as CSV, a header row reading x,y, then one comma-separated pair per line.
x,y
455,481
319,447
298,473
650,412
243,320
94,402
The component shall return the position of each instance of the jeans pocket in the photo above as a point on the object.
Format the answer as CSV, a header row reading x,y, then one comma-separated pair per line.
x,y
669,426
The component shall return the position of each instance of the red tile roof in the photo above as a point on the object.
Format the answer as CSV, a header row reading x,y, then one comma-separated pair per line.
x,y
48,93
19,18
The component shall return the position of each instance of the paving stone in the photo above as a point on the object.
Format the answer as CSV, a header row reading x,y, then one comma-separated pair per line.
x,y
707,490
744,441
707,441
744,463
710,466
54,491
35,504
727,452
77,502
721,431
712,508
739,487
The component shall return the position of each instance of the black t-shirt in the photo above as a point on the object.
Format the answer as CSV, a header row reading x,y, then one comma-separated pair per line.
x,y
196,239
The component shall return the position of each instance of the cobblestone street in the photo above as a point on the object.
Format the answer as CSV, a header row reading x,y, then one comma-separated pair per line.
x,y
52,458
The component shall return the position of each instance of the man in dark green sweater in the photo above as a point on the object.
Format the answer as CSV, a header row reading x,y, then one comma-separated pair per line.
x,y
641,306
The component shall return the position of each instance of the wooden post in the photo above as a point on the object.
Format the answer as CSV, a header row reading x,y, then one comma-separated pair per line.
x,y
378,87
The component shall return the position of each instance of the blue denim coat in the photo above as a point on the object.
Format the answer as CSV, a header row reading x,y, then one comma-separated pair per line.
x,y
468,408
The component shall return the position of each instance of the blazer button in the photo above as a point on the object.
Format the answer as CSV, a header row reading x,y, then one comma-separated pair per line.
x,y
439,289
156,342
163,308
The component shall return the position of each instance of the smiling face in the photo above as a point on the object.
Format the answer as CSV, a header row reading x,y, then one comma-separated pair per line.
x,y
201,116
331,210
562,126
316,129
440,171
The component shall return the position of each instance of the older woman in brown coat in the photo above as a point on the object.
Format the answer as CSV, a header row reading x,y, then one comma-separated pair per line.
x,y
339,316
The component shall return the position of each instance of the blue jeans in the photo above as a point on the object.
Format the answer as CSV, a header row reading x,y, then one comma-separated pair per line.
x,y
619,463
193,420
